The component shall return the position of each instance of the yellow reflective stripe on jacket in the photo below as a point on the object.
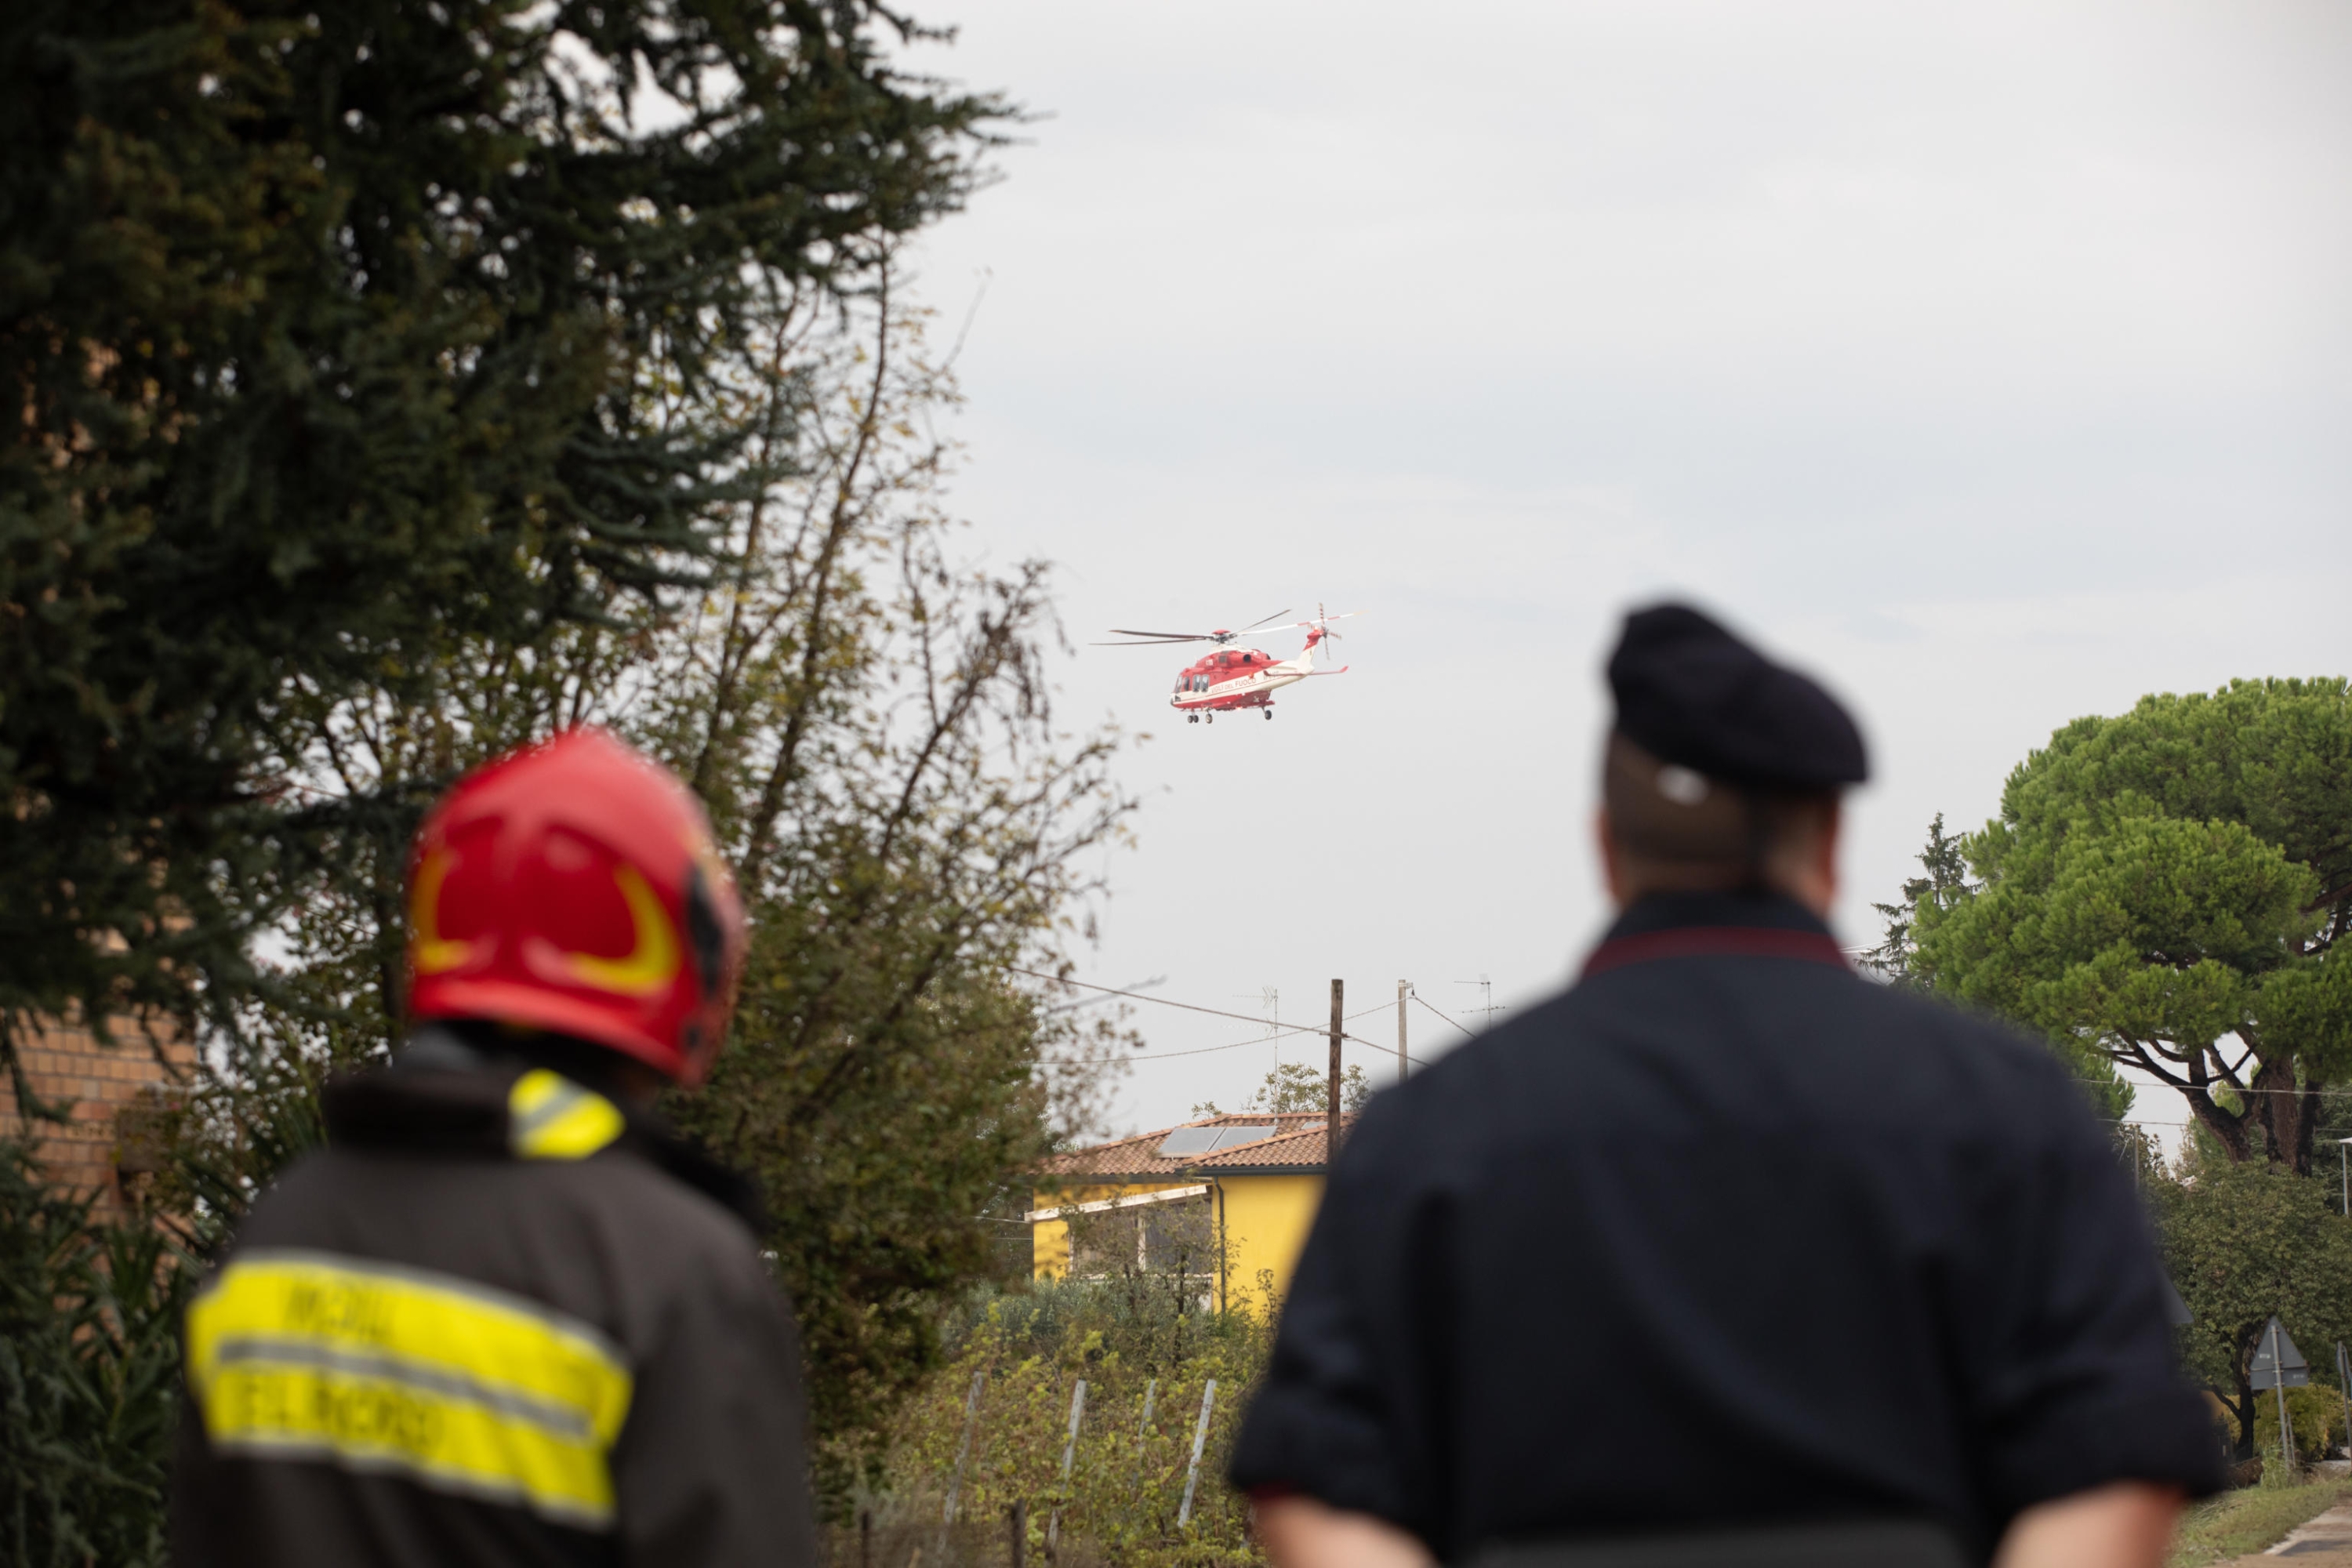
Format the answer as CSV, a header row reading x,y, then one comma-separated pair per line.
x,y
549,1117
376,1367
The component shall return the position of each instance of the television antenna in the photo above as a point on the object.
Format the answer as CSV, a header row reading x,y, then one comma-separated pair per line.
x,y
1486,1007
1269,998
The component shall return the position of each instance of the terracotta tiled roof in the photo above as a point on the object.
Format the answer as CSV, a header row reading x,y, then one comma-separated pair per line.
x,y
1306,1147
1296,1139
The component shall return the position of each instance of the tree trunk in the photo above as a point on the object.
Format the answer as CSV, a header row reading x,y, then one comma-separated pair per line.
x,y
2289,1114
2229,1131
2242,1407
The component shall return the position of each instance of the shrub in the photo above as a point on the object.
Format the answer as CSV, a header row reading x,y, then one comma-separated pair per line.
x,y
2315,1413
88,1375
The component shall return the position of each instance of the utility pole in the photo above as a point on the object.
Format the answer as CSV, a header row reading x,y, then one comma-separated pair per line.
x,y
1271,998
2278,1391
1404,1062
1331,1118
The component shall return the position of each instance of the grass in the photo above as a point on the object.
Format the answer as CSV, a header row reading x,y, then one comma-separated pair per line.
x,y
2243,1521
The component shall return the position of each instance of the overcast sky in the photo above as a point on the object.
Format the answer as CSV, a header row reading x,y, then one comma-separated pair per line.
x,y
1989,360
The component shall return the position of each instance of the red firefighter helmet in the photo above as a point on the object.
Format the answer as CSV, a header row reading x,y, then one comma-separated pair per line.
x,y
573,885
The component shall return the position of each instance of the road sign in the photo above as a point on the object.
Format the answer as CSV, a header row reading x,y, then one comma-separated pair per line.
x,y
2274,1351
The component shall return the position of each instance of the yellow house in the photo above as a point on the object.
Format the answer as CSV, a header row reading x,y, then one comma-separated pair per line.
x,y
1238,1192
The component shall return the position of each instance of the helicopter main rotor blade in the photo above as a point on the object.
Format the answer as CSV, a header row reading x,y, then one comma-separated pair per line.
x,y
1256,623
1319,621
1163,636
1145,642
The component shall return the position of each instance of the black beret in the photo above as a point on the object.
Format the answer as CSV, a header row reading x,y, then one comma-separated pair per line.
x,y
1690,694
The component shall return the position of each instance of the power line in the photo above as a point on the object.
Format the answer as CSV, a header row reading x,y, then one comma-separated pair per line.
x,y
1147,1055
1134,987
1150,1056
1467,1032
1433,1007
1164,1001
1323,1032
2232,1089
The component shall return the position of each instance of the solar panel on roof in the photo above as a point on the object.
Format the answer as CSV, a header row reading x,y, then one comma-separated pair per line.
x,y
1188,1140
1208,1139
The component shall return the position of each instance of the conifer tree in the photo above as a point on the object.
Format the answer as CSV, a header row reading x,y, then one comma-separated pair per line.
x,y
1947,879
338,337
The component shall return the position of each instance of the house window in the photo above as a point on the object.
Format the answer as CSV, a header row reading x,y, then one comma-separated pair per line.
x,y
1171,1244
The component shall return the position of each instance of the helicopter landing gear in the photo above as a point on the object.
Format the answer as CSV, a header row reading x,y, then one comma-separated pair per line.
x,y
1270,713
1192,718
1210,717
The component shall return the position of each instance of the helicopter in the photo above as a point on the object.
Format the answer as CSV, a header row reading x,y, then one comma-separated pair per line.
x,y
1233,679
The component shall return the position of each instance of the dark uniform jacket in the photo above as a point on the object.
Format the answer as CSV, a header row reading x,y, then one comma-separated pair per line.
x,y
496,1323
1725,1236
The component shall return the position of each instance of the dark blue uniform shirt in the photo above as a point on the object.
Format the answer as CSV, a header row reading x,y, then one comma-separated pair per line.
x,y
1724,1235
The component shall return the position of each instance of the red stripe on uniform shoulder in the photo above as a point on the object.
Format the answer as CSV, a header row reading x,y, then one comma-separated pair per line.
x,y
1713,942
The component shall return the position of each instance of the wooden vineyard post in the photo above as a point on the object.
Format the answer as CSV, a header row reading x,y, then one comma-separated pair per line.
x,y
1016,1520
1200,1440
2286,1432
1069,1454
963,1452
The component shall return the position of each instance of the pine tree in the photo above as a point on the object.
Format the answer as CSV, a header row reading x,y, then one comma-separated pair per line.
x,y
2169,889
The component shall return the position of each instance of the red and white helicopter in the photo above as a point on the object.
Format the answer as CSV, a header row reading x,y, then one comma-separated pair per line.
x,y
1235,677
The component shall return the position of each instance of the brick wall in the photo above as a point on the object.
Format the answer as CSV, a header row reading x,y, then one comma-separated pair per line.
x,y
111,1088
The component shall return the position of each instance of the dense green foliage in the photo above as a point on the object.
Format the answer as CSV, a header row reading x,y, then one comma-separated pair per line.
x,y
2168,888
1896,960
2243,1240
2315,1415
340,340
88,1364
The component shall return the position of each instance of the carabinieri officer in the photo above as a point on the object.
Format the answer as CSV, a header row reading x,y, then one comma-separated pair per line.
x,y
1727,1256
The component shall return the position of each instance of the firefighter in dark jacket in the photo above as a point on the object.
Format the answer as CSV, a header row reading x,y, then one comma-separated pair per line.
x,y
503,1318
1727,1257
